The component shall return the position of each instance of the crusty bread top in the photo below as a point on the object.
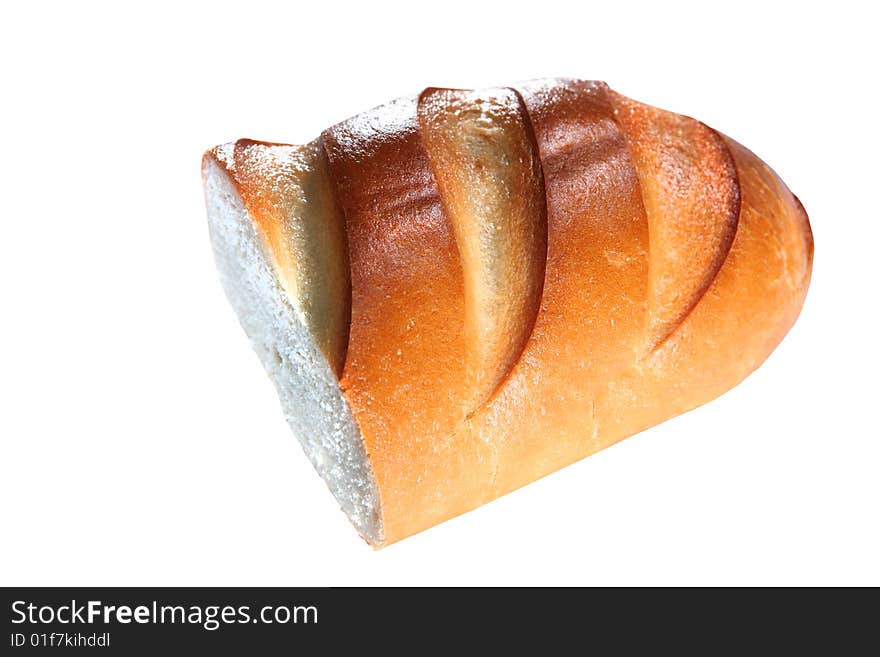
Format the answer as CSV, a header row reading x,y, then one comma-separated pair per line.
x,y
485,163
535,273
691,193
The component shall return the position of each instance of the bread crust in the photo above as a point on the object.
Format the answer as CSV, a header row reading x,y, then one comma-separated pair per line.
x,y
691,193
405,376
486,165
675,261
290,199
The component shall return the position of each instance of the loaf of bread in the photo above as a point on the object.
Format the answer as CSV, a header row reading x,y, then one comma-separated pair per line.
x,y
459,293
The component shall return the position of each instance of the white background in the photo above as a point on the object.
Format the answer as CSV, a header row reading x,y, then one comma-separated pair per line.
x,y
141,441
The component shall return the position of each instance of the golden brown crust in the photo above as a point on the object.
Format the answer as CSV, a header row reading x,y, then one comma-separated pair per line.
x,y
594,299
675,262
745,313
488,173
691,194
405,377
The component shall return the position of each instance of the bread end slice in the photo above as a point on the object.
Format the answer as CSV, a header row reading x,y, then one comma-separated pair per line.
x,y
312,401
